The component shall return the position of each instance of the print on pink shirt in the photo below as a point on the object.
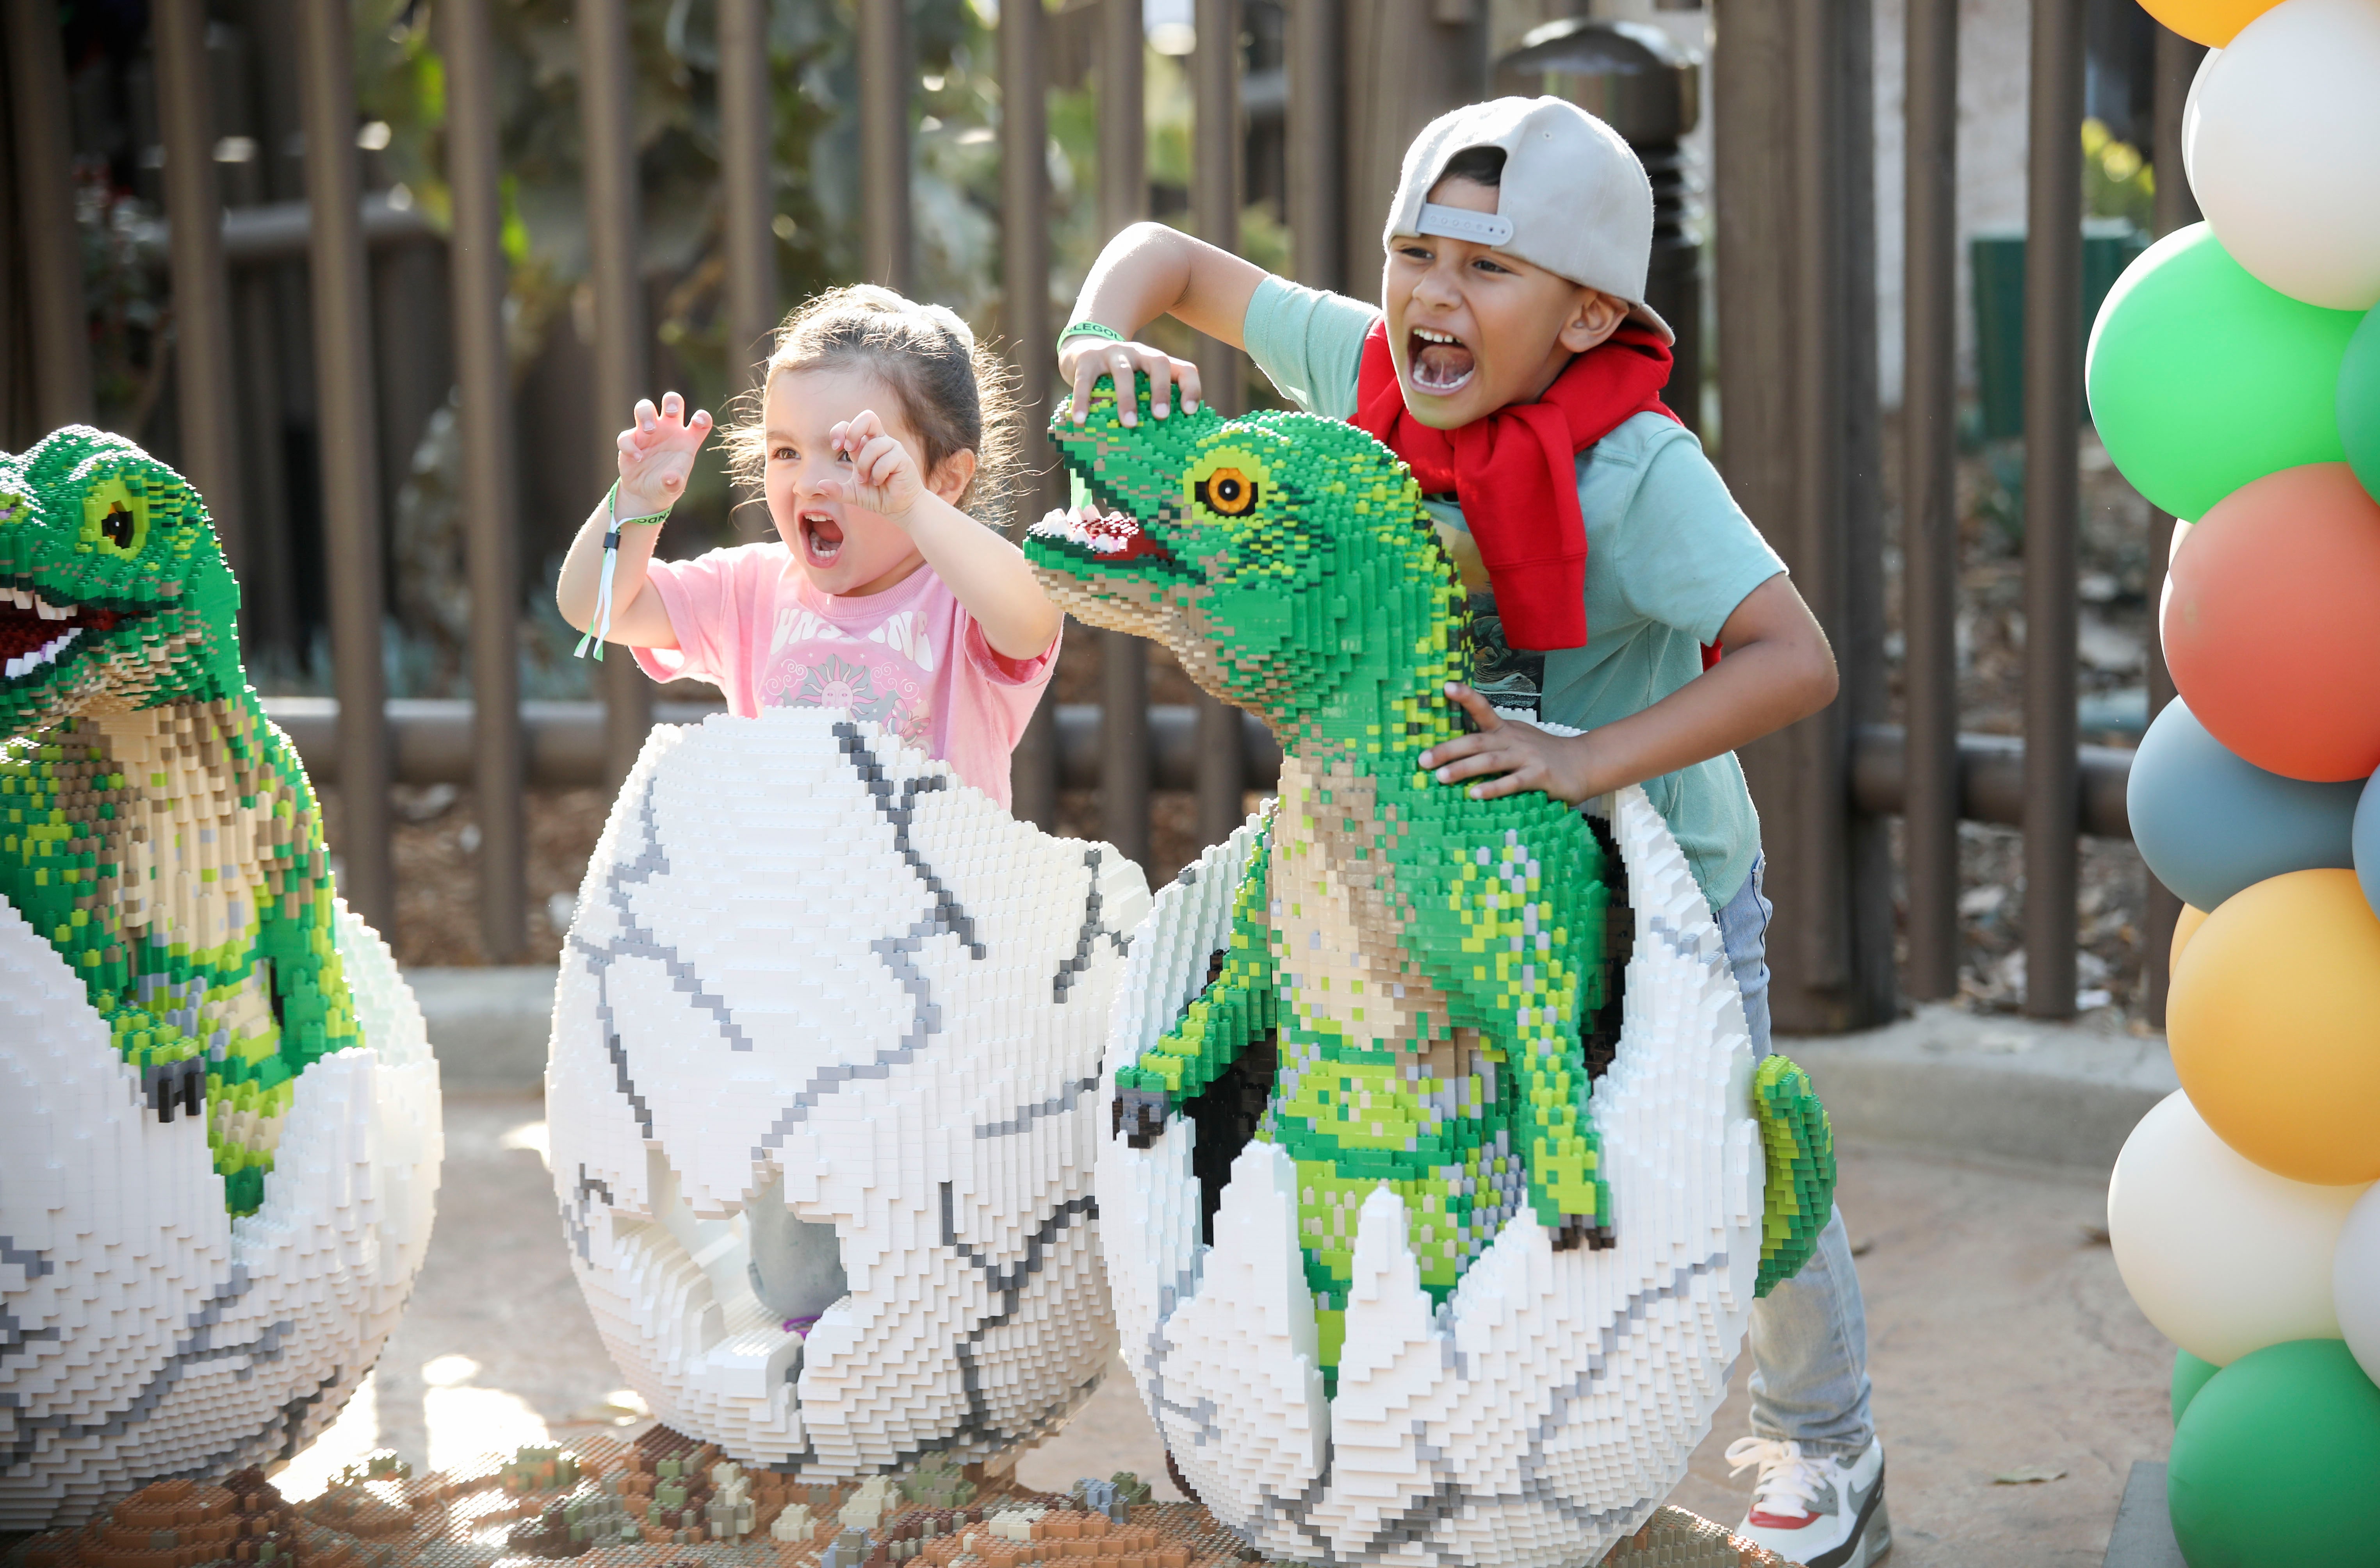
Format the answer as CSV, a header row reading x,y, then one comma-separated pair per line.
x,y
814,664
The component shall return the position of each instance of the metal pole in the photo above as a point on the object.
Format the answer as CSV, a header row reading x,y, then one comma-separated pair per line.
x,y
1318,143
745,123
607,110
884,143
37,92
342,376
1929,412
1215,211
2177,65
1024,267
1124,658
1797,309
2053,418
203,403
491,490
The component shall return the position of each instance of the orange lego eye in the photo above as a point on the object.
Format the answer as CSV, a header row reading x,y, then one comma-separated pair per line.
x,y
1228,492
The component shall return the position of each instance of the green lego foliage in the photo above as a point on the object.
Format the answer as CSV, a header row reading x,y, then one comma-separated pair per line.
x,y
1434,1040
1800,1146
124,698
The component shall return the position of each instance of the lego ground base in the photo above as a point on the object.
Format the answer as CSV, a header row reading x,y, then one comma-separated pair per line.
x,y
665,1501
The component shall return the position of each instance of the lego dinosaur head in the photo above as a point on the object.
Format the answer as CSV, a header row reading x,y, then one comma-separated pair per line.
x,y
1284,558
114,594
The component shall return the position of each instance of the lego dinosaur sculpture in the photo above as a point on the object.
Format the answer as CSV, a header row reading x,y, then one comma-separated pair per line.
x,y
1397,1343
214,1082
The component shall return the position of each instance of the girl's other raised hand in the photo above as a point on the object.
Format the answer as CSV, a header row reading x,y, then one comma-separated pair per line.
x,y
883,477
657,455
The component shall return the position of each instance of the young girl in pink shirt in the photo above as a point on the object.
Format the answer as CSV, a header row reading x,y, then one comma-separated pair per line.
x,y
880,595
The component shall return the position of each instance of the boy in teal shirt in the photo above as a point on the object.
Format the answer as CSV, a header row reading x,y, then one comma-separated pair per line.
x,y
1514,366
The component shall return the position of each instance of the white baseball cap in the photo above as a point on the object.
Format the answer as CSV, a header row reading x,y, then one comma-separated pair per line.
x,y
1573,199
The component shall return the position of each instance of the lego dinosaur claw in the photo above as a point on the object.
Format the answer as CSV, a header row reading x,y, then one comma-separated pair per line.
x,y
1139,1115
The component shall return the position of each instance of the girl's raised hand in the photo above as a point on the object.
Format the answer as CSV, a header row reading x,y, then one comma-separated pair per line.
x,y
657,455
883,477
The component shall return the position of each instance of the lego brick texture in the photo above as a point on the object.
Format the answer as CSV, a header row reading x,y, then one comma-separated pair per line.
x,y
219,1117
824,1098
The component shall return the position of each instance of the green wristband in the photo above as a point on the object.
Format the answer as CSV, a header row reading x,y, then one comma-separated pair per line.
x,y
1090,329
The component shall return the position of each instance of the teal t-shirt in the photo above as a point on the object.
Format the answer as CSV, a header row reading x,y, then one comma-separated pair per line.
x,y
1669,555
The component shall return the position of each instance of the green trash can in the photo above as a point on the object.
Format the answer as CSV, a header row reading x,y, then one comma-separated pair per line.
x,y
2109,245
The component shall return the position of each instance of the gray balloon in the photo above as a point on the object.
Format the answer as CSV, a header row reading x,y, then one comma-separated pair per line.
x,y
2209,823
2367,842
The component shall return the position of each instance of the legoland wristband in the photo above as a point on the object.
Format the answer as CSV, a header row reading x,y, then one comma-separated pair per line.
x,y
596,634
1089,329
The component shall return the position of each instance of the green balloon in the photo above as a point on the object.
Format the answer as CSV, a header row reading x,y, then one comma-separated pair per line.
x,y
2276,1463
2190,1375
2201,379
2359,402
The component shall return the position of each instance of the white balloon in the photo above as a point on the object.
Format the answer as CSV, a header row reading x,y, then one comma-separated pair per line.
x,y
2281,141
2355,1281
2221,1255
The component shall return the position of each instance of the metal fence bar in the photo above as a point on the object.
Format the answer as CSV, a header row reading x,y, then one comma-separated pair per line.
x,y
1318,143
1024,268
1215,213
203,403
1929,499
490,490
2053,418
2177,66
1124,658
745,135
343,372
1795,246
37,95
607,121
886,245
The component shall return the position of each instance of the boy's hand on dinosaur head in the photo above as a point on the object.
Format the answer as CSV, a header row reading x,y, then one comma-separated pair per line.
x,y
657,455
1510,758
1083,359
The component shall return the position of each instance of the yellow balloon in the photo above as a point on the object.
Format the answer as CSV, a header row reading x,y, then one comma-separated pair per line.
x,y
2275,1024
2211,22
2185,926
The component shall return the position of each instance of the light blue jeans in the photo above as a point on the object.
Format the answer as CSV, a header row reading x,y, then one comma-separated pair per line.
x,y
1809,1335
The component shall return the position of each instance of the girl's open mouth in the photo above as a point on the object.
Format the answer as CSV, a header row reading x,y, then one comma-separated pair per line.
x,y
1437,361
821,538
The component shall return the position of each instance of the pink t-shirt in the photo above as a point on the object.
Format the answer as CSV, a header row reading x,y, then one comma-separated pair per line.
x,y
910,659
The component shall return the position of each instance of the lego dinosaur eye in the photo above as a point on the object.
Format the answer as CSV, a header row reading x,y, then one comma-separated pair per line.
x,y
1228,492
114,520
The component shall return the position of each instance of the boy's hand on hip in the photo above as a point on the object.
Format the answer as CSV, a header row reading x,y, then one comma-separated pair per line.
x,y
883,477
1084,358
1510,758
657,455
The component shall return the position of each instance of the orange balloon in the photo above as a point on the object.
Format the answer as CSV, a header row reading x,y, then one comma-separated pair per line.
x,y
2185,926
2274,1020
2270,629
2211,22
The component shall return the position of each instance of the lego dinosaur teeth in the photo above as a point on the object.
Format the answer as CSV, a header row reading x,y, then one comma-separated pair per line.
x,y
26,664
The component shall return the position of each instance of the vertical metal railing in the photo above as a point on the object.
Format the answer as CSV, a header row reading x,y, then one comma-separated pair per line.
x,y
1124,658
491,510
1214,213
203,356
748,187
45,205
883,49
614,224
351,519
1929,500
2177,66
2053,419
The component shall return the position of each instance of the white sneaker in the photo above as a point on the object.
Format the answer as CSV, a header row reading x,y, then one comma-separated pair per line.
x,y
1821,1512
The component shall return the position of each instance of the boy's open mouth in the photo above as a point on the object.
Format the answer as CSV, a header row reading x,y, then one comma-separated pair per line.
x,y
821,538
1437,361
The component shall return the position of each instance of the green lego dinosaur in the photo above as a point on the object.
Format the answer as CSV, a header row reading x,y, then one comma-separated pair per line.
x,y
155,828
1425,960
